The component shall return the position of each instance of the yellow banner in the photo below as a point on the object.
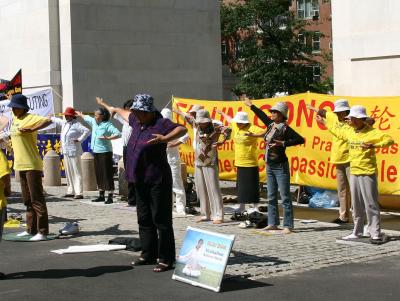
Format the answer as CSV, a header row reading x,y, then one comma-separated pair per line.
x,y
309,163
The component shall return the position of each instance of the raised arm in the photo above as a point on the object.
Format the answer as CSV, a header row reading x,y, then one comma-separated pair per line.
x,y
259,113
189,118
124,114
226,116
100,101
338,132
321,112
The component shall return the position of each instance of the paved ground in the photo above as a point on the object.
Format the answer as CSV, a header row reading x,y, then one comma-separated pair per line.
x,y
258,259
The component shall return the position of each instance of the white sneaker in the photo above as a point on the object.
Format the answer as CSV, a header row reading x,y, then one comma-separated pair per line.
x,y
22,234
38,237
351,236
366,232
178,214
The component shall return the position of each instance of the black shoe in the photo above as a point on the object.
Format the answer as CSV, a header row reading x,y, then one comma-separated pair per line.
x,y
109,200
2,276
99,199
339,221
191,210
78,197
68,195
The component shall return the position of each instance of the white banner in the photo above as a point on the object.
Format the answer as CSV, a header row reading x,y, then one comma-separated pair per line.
x,y
40,103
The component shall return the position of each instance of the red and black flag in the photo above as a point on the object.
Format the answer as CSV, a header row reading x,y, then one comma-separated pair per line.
x,y
13,86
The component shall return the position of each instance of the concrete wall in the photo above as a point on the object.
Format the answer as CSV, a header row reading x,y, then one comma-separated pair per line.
x,y
366,48
114,49
29,44
160,47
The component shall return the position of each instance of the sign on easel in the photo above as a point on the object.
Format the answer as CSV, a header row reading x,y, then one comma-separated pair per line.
x,y
203,257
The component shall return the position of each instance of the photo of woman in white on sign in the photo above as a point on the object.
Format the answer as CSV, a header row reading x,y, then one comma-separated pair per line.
x,y
192,267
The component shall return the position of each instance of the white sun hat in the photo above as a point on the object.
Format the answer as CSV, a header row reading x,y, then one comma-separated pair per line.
x,y
341,105
241,117
280,107
203,116
358,112
166,113
195,108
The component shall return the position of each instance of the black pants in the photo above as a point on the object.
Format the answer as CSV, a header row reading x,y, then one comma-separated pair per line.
x,y
154,212
131,186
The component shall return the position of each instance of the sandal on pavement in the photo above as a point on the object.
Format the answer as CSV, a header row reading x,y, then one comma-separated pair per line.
x,y
202,219
218,221
141,261
271,227
162,267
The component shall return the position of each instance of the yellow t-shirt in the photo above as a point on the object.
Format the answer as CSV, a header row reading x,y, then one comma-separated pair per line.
x,y
245,146
26,154
340,148
4,170
362,162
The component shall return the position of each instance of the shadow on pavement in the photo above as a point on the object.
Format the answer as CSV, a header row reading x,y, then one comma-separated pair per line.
x,y
238,283
68,273
240,258
323,229
113,230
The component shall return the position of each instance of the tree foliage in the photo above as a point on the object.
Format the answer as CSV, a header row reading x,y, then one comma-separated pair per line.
x,y
270,57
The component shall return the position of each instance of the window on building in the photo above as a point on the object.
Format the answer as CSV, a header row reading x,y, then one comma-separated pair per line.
x,y
307,9
224,52
316,73
301,38
316,42
238,48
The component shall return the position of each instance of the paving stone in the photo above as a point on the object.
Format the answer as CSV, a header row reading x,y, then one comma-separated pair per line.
x,y
255,256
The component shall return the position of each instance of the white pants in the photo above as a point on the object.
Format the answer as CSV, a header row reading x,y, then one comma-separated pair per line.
x,y
208,191
364,195
73,172
177,184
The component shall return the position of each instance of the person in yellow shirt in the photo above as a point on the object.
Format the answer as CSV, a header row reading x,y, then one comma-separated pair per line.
x,y
28,163
248,179
340,156
362,140
5,190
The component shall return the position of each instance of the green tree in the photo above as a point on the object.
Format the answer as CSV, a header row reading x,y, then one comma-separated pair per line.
x,y
268,56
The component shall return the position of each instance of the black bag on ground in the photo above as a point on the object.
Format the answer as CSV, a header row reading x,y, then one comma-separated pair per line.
x,y
259,219
132,243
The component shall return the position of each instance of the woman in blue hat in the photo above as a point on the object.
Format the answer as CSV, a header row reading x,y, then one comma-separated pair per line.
x,y
147,167
28,162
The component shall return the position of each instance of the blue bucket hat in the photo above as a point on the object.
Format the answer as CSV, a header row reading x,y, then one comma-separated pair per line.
x,y
144,103
19,101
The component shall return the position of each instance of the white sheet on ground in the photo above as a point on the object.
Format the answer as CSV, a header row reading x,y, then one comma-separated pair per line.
x,y
89,248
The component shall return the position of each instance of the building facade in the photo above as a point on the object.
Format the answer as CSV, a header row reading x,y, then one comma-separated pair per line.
x,y
113,49
366,55
317,14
